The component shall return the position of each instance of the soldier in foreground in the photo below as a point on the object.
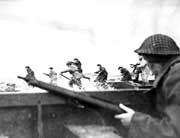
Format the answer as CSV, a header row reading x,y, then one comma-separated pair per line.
x,y
162,56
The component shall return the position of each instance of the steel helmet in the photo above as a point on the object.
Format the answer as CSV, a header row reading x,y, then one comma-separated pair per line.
x,y
159,44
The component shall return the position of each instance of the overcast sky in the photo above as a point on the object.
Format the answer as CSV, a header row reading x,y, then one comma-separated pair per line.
x,y
43,33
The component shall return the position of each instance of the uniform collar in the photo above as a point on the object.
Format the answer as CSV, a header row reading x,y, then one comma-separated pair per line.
x,y
165,70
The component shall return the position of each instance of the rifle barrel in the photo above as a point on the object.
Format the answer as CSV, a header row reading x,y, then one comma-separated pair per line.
x,y
72,94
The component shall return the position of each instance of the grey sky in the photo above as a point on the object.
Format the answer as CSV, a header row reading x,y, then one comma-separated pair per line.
x,y
43,33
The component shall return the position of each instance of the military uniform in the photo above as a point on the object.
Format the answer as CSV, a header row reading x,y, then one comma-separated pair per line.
x,y
53,77
166,88
76,75
166,123
102,75
78,64
125,74
30,73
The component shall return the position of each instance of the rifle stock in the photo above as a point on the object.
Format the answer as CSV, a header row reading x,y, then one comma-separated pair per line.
x,y
72,94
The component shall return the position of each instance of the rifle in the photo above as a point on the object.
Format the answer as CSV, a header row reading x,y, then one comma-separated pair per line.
x,y
83,98
46,74
64,76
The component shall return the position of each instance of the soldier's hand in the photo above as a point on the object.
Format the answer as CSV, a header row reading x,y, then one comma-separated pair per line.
x,y
125,118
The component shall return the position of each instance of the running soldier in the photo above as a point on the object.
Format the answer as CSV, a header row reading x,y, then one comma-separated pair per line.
x,y
52,75
102,76
77,63
76,76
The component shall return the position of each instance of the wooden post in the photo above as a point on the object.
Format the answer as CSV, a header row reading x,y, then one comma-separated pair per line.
x,y
39,120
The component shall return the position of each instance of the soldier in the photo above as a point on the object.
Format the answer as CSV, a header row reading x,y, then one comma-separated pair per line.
x,y
78,64
102,74
136,71
76,76
141,69
163,58
30,73
145,72
52,75
125,74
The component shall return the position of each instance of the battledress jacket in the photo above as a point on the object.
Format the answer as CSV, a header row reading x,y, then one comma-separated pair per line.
x,y
167,105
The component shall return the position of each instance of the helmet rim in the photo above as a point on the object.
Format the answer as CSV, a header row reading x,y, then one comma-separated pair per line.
x,y
158,44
